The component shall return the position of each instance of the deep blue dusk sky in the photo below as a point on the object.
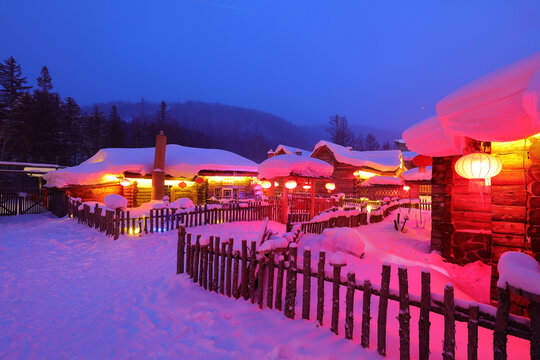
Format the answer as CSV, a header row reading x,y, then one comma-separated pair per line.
x,y
381,63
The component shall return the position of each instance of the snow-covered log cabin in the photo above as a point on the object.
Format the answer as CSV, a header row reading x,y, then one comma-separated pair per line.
x,y
352,167
194,173
485,145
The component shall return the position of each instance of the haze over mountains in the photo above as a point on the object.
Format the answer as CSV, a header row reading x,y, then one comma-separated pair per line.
x,y
248,132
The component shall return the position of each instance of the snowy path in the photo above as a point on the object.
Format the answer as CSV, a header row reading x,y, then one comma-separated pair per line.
x,y
69,292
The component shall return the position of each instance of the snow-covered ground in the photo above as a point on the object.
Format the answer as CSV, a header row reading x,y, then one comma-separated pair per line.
x,y
70,292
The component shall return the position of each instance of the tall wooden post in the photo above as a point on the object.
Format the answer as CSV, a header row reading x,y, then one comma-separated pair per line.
x,y
158,173
312,204
285,203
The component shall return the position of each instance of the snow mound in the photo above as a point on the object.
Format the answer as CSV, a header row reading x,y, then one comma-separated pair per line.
x,y
520,271
338,258
345,240
115,201
182,203
286,165
180,161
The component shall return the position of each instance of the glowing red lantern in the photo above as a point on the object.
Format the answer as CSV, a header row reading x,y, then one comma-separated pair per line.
x,y
422,161
199,180
406,188
182,185
330,186
291,184
266,184
306,187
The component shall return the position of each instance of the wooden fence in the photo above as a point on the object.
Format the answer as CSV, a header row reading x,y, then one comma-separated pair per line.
x,y
216,267
115,223
22,203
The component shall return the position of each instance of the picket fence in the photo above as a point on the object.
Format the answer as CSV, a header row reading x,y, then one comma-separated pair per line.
x,y
245,274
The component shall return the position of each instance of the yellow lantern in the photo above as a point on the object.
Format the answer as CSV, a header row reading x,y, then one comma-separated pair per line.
x,y
291,184
306,186
330,186
266,184
406,188
125,182
478,166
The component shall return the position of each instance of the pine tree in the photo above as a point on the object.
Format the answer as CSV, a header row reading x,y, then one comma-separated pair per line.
x,y
12,82
72,131
44,80
116,133
359,142
371,143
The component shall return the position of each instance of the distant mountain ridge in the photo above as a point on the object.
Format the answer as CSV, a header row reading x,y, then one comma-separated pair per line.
x,y
248,132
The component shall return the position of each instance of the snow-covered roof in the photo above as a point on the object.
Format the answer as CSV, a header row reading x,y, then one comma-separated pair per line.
x,y
292,150
383,180
291,165
180,161
501,106
384,160
416,175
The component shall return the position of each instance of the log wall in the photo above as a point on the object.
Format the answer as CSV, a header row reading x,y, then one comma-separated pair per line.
x,y
95,192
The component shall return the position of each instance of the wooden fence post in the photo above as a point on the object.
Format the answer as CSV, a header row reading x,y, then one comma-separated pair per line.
x,y
229,267
349,307
383,307
306,288
404,316
211,264
180,251
222,265
244,280
534,313
196,262
320,287
203,277
501,324
260,281
290,287
235,290
270,286
215,285
279,285
366,313
449,343
335,297
423,322
252,265
189,260
117,224
472,332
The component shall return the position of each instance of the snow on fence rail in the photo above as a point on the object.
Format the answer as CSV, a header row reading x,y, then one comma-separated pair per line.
x,y
216,267
119,222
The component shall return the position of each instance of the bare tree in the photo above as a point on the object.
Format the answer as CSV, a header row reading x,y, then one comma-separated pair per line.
x,y
340,131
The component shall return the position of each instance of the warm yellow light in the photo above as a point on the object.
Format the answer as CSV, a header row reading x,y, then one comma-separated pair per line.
x,y
276,184
368,208
330,186
110,178
478,166
266,184
306,187
406,187
291,184
148,182
364,174
125,182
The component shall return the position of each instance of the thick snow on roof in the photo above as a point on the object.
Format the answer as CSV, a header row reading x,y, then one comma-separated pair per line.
x,y
408,155
292,150
384,160
383,180
180,161
501,106
520,271
285,165
415,175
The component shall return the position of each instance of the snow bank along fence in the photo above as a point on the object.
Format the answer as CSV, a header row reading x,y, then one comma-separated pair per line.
x,y
23,203
119,222
342,219
260,279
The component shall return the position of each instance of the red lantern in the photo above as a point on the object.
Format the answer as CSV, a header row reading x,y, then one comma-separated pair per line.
x,y
422,161
182,185
199,180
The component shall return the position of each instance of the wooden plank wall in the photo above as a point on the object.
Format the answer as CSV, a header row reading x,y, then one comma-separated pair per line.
x,y
95,192
509,201
441,199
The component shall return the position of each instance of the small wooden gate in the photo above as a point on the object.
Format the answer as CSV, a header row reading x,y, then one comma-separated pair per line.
x,y
22,203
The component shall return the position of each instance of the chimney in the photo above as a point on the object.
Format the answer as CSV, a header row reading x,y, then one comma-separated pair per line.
x,y
158,173
298,152
270,153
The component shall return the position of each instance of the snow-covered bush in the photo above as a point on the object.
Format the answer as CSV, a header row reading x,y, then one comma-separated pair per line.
x,y
182,203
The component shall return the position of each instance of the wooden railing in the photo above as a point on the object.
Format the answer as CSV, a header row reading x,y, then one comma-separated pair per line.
x,y
216,267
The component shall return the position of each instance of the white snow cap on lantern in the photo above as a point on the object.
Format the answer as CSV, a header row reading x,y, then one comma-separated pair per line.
x,y
478,166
